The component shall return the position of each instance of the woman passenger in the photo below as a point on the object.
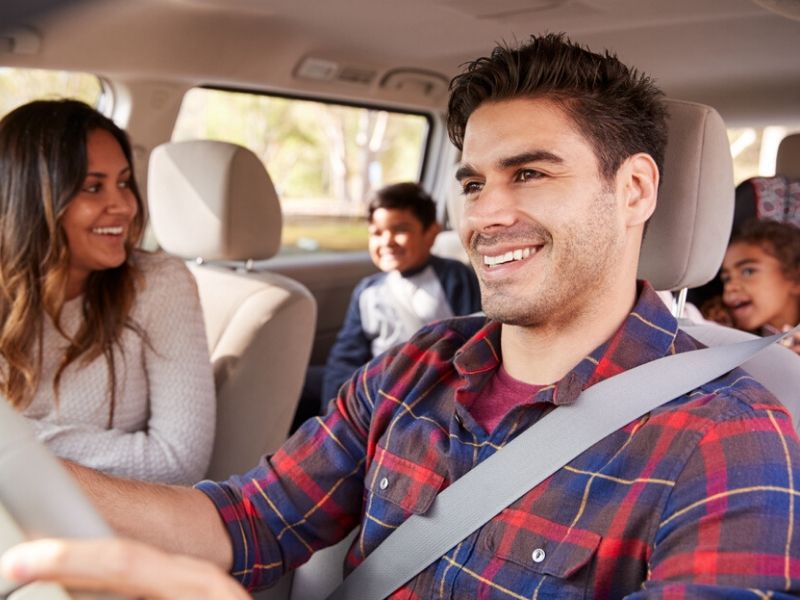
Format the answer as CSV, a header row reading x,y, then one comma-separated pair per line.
x,y
102,346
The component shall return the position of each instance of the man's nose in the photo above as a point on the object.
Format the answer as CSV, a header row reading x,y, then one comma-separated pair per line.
x,y
495,206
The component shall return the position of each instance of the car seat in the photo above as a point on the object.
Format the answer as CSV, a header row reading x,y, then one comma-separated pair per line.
x,y
775,198
213,204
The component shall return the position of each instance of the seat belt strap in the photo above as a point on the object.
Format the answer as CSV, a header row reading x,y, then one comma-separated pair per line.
x,y
556,439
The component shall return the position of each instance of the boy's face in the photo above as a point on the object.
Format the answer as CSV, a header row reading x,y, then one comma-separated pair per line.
x,y
757,292
397,240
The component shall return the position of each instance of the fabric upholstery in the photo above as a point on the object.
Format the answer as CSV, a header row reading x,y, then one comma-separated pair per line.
x,y
788,159
215,201
688,234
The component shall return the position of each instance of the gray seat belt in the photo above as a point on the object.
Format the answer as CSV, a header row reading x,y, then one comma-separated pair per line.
x,y
557,438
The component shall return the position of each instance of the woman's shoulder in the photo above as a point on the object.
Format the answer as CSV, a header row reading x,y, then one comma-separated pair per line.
x,y
161,271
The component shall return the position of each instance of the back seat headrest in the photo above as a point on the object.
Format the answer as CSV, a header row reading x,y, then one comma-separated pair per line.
x,y
788,159
213,200
688,233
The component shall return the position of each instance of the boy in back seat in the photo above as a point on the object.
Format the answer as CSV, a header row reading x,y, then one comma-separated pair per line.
x,y
413,289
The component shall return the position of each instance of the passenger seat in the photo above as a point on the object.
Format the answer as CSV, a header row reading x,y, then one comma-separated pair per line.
x,y
213,203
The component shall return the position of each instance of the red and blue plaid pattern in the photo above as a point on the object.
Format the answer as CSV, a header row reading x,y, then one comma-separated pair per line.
x,y
697,499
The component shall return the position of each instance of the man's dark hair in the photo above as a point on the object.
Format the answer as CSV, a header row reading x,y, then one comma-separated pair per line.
x,y
617,109
405,196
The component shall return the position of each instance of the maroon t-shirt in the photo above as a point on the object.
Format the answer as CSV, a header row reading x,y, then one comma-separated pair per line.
x,y
502,394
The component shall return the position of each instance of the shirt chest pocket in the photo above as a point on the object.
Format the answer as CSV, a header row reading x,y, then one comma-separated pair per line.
x,y
398,488
524,545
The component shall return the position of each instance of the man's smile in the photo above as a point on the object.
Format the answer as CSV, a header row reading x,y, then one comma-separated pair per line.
x,y
509,256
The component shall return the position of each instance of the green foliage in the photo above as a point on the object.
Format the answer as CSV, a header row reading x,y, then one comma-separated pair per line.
x,y
312,150
324,159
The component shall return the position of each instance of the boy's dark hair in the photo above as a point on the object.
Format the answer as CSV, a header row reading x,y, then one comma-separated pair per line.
x,y
405,196
779,240
617,109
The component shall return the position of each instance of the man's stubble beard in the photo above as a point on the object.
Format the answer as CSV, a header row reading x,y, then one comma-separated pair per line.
x,y
585,262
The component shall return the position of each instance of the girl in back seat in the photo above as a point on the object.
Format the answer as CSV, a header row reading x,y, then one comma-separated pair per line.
x,y
761,278
102,346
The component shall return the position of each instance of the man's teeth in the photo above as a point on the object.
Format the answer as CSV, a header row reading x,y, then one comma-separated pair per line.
x,y
107,230
517,254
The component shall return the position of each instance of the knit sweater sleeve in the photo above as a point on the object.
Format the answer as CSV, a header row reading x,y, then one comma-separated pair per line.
x,y
175,442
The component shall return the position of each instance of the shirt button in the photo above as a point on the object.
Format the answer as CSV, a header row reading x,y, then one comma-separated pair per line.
x,y
384,483
537,555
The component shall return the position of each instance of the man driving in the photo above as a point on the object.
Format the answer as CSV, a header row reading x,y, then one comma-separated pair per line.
x,y
561,154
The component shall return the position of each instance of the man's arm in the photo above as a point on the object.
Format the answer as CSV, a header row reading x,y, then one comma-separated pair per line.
x,y
730,525
173,518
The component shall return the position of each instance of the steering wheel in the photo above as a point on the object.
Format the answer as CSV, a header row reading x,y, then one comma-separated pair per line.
x,y
38,498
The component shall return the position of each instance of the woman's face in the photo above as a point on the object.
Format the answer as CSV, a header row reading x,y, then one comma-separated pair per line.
x,y
99,216
756,291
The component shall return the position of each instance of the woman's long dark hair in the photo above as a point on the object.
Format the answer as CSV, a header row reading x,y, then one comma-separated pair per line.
x,y
43,164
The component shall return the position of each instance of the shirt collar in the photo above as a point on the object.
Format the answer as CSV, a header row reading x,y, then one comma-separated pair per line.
x,y
418,269
647,333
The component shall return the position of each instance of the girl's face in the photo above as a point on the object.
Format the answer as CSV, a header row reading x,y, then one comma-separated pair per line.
x,y
98,218
756,290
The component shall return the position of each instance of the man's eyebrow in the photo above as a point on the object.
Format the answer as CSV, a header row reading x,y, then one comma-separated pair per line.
x,y
528,157
464,172
516,160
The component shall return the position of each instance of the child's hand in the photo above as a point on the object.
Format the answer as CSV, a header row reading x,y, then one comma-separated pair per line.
x,y
791,342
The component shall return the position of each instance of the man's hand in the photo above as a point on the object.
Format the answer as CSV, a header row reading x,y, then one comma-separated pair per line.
x,y
176,519
119,566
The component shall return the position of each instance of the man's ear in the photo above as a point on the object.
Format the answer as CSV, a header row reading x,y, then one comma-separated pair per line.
x,y
637,178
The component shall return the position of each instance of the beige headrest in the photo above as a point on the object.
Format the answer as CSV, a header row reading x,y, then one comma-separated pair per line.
x,y
788,160
688,234
212,200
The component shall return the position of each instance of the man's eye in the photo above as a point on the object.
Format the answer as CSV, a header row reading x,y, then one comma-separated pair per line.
x,y
470,187
528,175
748,272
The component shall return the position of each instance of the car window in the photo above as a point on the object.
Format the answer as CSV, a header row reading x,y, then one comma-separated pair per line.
x,y
754,150
324,158
18,86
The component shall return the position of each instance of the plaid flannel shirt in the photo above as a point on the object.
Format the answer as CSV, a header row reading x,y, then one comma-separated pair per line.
x,y
696,499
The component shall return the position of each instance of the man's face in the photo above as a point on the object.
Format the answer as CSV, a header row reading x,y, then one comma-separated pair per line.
x,y
398,241
543,230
